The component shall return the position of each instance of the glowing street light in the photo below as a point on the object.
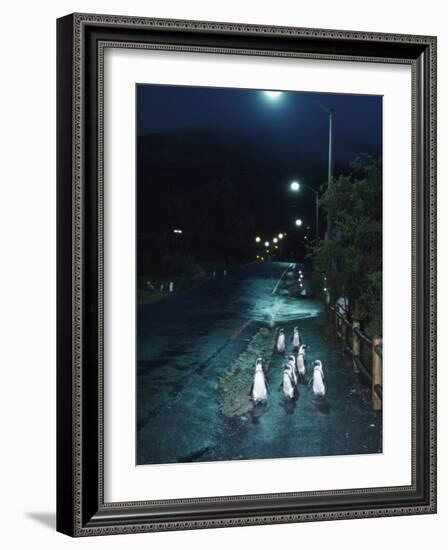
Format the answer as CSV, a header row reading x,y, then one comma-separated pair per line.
x,y
295,186
275,240
298,222
266,244
280,235
257,239
272,94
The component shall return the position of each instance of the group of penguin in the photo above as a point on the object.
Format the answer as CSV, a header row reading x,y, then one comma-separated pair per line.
x,y
294,371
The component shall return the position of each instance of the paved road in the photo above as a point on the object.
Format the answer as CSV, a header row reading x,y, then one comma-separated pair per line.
x,y
186,342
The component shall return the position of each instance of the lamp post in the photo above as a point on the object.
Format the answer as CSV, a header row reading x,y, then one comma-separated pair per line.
x,y
295,186
330,112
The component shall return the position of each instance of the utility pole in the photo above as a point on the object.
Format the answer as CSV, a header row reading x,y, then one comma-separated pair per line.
x,y
329,235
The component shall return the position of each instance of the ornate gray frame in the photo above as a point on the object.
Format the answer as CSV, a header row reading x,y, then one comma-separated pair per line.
x,y
82,39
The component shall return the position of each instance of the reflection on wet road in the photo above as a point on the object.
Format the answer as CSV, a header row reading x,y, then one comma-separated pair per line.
x,y
186,342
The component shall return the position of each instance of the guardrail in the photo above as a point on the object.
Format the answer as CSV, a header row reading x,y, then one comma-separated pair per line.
x,y
361,348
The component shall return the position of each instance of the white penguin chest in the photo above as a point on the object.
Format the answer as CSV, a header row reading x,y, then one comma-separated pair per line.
x,y
318,384
259,386
288,388
281,342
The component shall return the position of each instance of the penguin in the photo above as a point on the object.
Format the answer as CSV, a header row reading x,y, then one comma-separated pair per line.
x,y
301,361
317,380
280,345
296,339
292,365
259,389
288,386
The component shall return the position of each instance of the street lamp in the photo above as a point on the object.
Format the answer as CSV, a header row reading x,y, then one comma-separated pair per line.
x,y
275,240
257,239
295,186
274,95
280,235
298,222
266,244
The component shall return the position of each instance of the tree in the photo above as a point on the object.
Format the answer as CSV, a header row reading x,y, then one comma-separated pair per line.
x,y
352,261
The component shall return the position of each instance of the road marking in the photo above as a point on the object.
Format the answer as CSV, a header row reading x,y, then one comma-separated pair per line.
x,y
240,329
274,290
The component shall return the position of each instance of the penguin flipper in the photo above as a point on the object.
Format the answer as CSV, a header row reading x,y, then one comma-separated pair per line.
x,y
310,381
251,389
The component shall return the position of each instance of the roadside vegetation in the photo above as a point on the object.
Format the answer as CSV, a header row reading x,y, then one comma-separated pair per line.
x,y
350,264
178,269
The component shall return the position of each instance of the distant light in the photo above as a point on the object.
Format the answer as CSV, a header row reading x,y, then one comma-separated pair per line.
x,y
266,244
257,239
271,94
178,231
298,222
325,290
276,246
280,235
262,258
258,257
275,240
301,284
295,186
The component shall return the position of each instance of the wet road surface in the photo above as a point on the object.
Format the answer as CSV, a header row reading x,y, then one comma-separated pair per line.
x,y
186,342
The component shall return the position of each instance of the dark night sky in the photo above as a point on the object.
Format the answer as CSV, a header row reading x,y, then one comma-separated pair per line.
x,y
189,136
294,124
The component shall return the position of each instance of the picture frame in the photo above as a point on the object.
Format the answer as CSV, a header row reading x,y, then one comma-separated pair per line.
x,y
81,506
